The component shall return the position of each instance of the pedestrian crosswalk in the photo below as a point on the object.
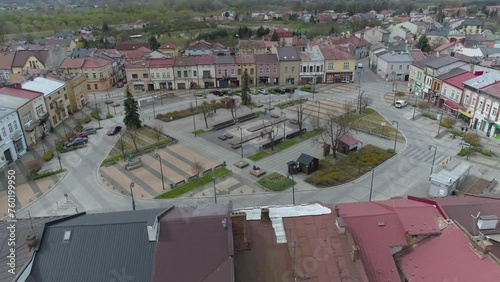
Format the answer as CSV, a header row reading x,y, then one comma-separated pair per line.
x,y
424,154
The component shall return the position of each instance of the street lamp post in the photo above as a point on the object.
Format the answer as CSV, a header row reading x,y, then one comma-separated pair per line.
x,y
394,85
215,191
293,187
241,140
154,113
397,129
360,95
95,101
97,114
319,107
132,184
314,86
415,106
161,171
107,105
371,185
284,123
359,160
439,122
433,158
58,156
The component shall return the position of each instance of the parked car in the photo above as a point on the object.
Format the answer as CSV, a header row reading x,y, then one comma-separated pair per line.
x,y
119,84
281,90
78,135
124,80
400,104
253,91
228,92
263,92
89,130
217,93
77,142
114,130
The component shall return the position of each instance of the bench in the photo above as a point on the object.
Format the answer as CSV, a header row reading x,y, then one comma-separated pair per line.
x,y
179,183
248,117
258,173
276,141
295,133
241,164
236,146
207,171
222,125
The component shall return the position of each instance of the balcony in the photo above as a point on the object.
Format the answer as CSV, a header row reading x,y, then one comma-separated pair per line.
x,y
207,77
311,73
42,117
31,125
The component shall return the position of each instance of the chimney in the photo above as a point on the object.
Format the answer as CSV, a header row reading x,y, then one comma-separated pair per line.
x,y
355,253
30,241
337,211
264,215
31,78
478,73
17,85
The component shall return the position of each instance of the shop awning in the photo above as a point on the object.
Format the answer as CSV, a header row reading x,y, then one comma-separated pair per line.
x,y
465,113
496,125
451,105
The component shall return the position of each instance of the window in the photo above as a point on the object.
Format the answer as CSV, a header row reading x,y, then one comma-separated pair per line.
x,y
15,126
27,118
18,145
168,75
261,71
346,65
487,108
185,73
225,73
88,87
275,70
286,69
11,129
239,71
95,86
400,67
101,75
86,75
164,75
304,69
330,66
145,75
466,101
54,119
135,76
194,73
251,71
232,72
293,69
494,112
4,133
392,67
94,75
220,72
408,67
179,74
39,109
267,70
66,96
473,101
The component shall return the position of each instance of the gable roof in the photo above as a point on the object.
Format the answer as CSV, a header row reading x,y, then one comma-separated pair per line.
x,y
442,61
167,46
389,57
281,32
305,159
266,58
22,56
129,46
334,53
348,140
445,46
6,60
95,62
45,85
70,63
377,227
288,53
446,257
224,60
244,59
82,52
161,63
185,61
458,80
483,80
493,89
451,73
200,237
251,44
100,247
20,93
144,64
417,55
205,60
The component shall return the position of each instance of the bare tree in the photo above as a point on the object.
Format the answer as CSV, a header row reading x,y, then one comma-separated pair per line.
x,y
349,107
197,168
133,133
272,132
121,143
158,130
207,112
366,102
234,107
423,105
334,127
302,116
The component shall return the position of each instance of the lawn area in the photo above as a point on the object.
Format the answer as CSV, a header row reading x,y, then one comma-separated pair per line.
x,y
198,132
335,172
275,182
283,145
193,184
372,121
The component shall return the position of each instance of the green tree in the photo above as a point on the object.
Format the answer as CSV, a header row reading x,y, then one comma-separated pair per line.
x,y
423,43
275,37
260,32
246,99
153,43
311,19
105,27
132,118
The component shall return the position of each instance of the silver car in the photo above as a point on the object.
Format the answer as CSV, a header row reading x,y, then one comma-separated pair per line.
x,y
89,130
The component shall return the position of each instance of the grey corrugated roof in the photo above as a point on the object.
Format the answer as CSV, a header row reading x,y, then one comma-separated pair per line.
x,y
441,62
288,53
483,80
451,73
389,57
82,52
102,247
439,31
224,60
422,63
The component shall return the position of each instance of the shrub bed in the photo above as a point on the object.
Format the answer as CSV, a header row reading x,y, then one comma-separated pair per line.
x,y
34,175
48,155
275,182
174,115
87,119
430,116
345,168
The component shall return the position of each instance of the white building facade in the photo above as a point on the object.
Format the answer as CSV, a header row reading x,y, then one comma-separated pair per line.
x,y
12,143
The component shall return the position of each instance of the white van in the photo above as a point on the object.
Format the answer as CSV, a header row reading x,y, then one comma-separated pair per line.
x,y
400,104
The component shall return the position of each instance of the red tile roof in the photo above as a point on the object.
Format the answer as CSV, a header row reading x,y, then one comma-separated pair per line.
x,y
458,81
244,59
129,46
357,42
417,55
202,42
348,140
266,58
281,32
334,53
378,226
161,63
493,90
317,240
446,257
138,65
445,46
95,62
205,60
19,92
168,46
185,61
70,63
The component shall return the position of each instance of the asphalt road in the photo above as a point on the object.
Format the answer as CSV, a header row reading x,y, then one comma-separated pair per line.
x,y
405,174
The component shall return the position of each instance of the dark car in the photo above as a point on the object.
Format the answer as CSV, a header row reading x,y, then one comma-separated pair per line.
x,y
78,135
114,130
228,92
281,90
217,93
124,81
77,142
89,130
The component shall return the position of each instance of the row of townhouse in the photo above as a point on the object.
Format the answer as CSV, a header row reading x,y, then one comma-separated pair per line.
x,y
468,92
284,66
29,111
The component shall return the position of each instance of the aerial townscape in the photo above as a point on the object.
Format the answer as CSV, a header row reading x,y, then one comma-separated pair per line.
x,y
249,141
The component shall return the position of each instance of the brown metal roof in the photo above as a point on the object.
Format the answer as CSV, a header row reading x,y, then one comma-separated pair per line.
x,y
22,56
195,244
